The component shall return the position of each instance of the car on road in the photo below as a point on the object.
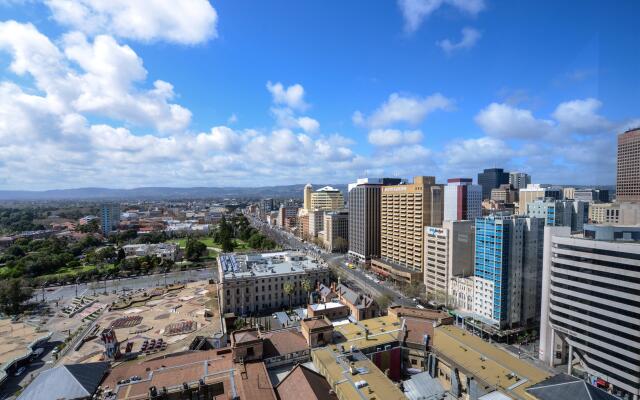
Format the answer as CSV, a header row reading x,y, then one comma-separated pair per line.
x,y
20,371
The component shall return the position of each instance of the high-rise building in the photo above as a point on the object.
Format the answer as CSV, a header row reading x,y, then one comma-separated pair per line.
x,y
336,230
308,189
364,216
462,200
590,311
569,193
504,194
534,192
592,195
614,213
448,253
109,218
316,222
572,213
405,211
267,205
492,178
508,269
519,180
285,213
327,198
628,173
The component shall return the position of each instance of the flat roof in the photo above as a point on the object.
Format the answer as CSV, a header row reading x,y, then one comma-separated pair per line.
x,y
326,306
491,365
334,366
382,330
236,266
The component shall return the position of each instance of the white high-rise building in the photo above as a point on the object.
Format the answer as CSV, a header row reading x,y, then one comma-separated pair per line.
x,y
462,200
590,308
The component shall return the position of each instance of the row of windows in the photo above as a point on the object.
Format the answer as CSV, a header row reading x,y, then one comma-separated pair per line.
x,y
617,310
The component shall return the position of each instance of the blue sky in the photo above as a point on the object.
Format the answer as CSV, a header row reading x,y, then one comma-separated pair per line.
x,y
235,93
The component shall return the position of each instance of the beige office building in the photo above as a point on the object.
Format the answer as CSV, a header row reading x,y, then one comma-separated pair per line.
x,y
528,195
336,231
628,173
308,189
614,213
405,211
327,198
449,252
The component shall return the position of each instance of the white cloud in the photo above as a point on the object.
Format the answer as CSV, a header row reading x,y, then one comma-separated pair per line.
x,y
477,152
308,124
581,116
505,121
394,137
292,96
416,11
404,109
189,22
470,37
233,118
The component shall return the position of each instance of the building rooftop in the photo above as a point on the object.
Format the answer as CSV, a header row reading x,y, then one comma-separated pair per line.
x,y
235,266
491,366
326,306
382,330
354,376
66,382
214,367
304,383
283,341
567,387
15,341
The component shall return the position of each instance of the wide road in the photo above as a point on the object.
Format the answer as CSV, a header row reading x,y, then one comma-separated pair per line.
x,y
356,277
64,293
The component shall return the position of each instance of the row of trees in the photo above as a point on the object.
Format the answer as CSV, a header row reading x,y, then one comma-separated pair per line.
x,y
240,228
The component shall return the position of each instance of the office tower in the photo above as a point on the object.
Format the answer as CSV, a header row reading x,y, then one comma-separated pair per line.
x,y
109,218
590,310
285,214
364,221
364,216
492,178
462,200
504,194
448,253
534,192
628,173
336,230
519,180
508,269
316,222
307,197
592,195
327,198
267,205
405,211
569,193
553,212
615,213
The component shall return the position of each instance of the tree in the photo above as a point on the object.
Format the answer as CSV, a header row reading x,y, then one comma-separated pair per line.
x,y
341,244
194,249
227,245
121,255
288,290
13,294
383,301
306,285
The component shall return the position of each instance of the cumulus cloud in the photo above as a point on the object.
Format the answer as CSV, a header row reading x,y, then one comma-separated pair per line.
x,y
394,137
192,22
470,37
399,108
416,11
505,121
582,116
292,96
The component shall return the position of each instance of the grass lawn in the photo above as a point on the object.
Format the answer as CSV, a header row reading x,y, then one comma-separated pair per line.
x,y
182,242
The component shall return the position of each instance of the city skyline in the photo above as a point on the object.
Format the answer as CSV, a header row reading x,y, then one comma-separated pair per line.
x,y
210,95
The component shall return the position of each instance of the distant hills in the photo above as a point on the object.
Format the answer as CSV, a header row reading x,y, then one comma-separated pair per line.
x,y
161,193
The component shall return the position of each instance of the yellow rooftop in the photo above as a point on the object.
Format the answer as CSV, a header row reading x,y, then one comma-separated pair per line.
x,y
490,365
382,330
354,376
